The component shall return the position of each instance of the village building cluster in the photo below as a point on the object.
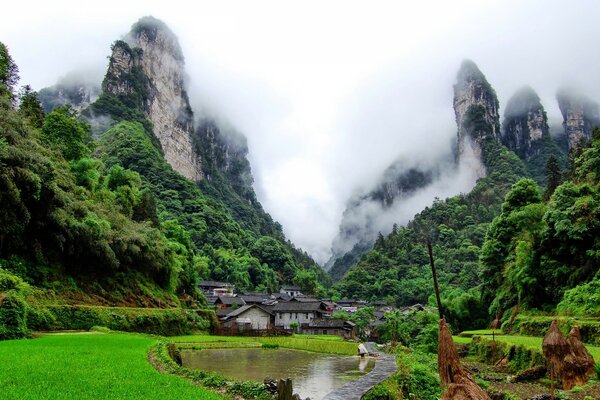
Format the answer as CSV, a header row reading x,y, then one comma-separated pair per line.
x,y
284,312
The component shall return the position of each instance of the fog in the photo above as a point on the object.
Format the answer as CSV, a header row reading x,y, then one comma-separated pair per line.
x,y
328,94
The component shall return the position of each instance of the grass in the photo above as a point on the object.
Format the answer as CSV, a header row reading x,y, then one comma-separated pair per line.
x,y
481,332
462,340
316,343
534,342
88,366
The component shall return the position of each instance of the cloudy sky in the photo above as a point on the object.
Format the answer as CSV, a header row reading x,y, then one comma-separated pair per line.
x,y
328,93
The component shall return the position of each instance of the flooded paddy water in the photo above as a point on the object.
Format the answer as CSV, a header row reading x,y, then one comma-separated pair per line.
x,y
313,374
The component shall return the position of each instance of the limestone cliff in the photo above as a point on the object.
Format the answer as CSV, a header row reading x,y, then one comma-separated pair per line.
x,y
146,70
525,124
224,151
476,109
580,115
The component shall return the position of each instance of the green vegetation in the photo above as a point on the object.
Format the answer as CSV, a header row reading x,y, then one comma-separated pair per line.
x,y
296,342
535,250
537,325
103,219
398,270
416,378
88,366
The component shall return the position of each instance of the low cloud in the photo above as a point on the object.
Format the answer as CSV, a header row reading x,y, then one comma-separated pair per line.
x,y
330,94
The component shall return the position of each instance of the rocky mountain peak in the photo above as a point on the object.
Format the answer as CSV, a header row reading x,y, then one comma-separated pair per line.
x,y
525,123
580,115
476,108
146,70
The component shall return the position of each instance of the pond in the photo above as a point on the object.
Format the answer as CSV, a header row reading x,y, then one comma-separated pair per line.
x,y
313,374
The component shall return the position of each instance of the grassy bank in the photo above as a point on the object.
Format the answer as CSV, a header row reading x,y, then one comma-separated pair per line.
x,y
318,344
88,366
530,342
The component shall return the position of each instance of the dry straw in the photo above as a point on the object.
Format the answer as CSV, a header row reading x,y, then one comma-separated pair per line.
x,y
456,382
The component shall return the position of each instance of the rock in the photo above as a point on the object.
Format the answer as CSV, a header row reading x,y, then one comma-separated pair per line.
x,y
580,115
476,109
525,124
271,385
149,68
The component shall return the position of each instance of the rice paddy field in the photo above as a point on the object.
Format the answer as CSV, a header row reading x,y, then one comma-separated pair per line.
x,y
316,343
88,366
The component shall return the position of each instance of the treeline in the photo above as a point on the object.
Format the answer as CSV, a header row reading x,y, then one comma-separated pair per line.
x,y
107,215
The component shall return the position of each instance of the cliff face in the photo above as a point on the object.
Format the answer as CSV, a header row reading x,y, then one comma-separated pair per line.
x,y
580,115
147,69
476,109
525,124
225,151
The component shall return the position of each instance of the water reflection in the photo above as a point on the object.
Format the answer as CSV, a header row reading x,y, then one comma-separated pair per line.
x,y
314,374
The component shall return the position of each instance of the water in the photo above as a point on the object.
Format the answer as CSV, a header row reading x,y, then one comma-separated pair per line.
x,y
313,374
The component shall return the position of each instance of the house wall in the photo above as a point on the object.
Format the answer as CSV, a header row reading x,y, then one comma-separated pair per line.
x,y
259,318
284,319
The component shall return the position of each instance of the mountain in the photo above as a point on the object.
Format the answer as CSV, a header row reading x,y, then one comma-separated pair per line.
x,y
476,109
365,214
74,89
150,200
397,268
580,115
362,218
525,131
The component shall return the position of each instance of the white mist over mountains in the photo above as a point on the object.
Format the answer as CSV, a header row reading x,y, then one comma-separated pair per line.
x,y
329,94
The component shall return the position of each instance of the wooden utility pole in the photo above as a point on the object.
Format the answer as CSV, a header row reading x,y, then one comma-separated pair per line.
x,y
435,281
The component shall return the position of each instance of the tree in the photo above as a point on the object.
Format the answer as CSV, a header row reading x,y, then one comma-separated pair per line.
x,y
553,176
363,318
63,131
30,106
9,72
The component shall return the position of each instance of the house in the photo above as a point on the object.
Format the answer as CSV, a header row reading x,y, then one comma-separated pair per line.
x,y
281,297
214,288
330,326
229,302
291,291
248,317
297,312
255,298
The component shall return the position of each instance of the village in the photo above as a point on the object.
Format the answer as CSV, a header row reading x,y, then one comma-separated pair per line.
x,y
290,311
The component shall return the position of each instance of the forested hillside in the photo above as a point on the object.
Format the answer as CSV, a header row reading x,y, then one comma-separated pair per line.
x,y
98,214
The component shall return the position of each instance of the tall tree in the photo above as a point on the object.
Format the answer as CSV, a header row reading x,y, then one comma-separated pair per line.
x,y
553,176
30,106
9,72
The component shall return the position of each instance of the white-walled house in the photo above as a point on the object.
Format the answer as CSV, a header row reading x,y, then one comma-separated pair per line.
x,y
251,316
287,313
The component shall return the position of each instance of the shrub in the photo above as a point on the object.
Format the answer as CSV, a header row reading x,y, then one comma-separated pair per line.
x,y
13,307
13,316
168,322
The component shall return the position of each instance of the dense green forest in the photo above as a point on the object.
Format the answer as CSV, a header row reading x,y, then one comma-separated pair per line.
x,y
105,214
500,248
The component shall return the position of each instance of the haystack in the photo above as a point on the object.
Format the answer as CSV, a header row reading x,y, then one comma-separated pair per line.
x,y
456,383
555,348
578,364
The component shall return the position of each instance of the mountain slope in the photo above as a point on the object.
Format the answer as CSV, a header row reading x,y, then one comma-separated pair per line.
x,y
397,269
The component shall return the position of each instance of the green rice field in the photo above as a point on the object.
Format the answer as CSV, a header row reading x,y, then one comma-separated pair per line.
x,y
88,366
